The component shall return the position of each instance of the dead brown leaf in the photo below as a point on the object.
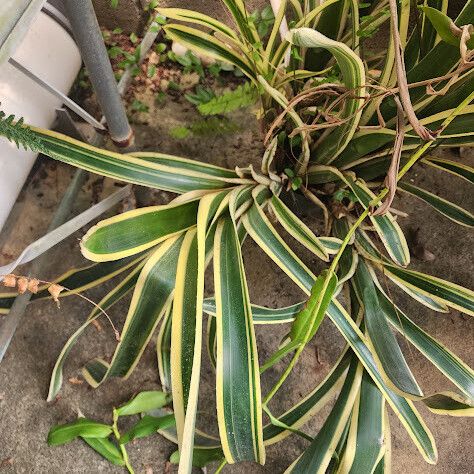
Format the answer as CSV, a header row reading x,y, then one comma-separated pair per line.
x,y
75,381
9,281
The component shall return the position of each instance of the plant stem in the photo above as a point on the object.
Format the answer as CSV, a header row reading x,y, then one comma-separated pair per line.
x,y
414,158
221,466
122,446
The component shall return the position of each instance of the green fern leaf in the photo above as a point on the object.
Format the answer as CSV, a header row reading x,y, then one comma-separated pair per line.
x,y
20,134
245,95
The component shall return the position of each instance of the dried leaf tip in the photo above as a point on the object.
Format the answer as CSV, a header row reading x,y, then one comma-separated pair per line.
x,y
55,290
22,285
9,281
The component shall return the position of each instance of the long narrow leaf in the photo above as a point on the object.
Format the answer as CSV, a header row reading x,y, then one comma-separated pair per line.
x,y
449,293
238,379
151,298
390,359
365,443
317,457
443,206
134,231
297,228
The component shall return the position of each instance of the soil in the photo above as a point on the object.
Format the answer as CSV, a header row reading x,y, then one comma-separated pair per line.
x,y
25,417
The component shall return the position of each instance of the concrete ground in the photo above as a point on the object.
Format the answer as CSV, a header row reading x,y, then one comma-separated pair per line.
x,y
25,417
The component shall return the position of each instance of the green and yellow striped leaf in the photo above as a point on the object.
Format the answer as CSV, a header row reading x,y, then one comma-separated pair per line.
x,y
297,229
151,298
190,16
138,230
403,408
365,443
186,332
353,73
443,206
449,293
389,231
458,169
186,342
264,234
349,258
449,403
444,360
316,458
239,408
261,314
176,176
389,357
203,43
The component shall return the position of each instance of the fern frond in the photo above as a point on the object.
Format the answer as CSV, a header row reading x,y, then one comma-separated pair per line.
x,y
245,95
19,133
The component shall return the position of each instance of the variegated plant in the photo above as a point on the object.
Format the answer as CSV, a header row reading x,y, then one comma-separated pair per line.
x,y
335,125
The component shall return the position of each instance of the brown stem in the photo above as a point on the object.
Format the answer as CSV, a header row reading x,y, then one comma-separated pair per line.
x,y
421,130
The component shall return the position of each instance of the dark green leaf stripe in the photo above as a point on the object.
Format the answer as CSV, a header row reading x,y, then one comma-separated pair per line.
x,y
150,300
238,379
185,328
453,295
389,231
134,231
365,443
448,209
317,456
261,314
185,164
453,167
403,408
298,229
389,356
124,167
115,295
444,360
